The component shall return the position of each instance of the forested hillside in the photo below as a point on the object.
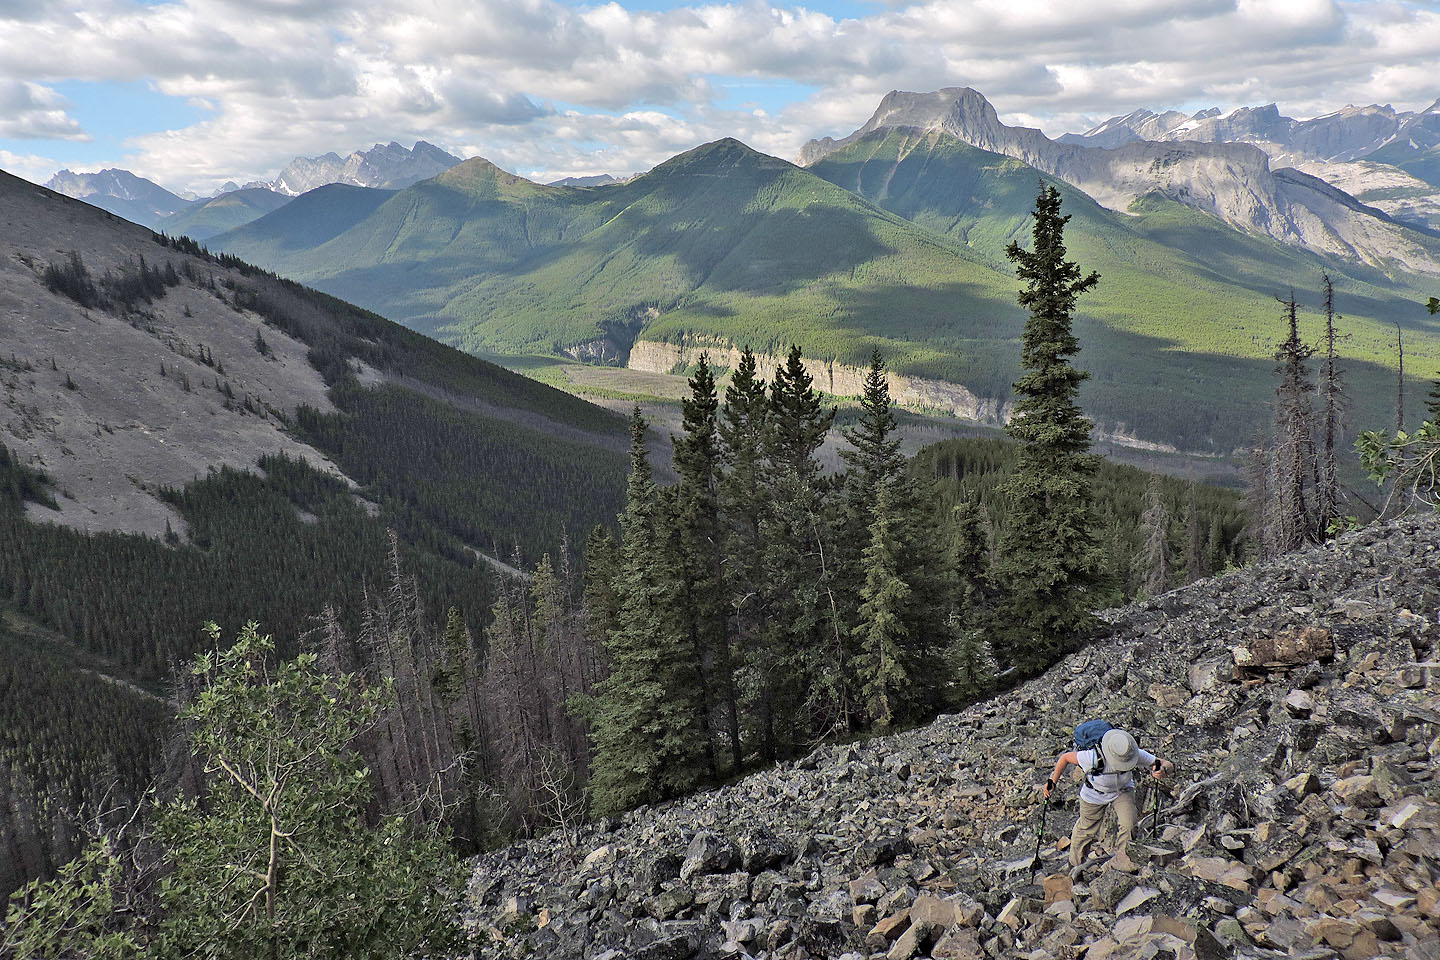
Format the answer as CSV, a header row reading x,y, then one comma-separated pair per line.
x,y
718,249
204,219
190,439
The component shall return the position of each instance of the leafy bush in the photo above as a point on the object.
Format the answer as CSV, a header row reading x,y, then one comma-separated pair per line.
x,y
277,859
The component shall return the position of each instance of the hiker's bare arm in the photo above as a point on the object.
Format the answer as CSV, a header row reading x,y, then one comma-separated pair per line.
x,y
1065,760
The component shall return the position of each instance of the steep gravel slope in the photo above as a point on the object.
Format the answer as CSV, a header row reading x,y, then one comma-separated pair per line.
x,y
1304,819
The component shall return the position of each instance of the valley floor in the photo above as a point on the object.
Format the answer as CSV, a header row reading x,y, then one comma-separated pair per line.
x,y
659,396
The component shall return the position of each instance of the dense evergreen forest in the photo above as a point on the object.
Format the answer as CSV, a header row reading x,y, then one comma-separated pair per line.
x,y
457,456
1201,526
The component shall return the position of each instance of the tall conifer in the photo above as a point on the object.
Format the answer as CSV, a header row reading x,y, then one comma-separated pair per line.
x,y
805,643
699,541
743,504
1048,560
648,743
919,556
883,665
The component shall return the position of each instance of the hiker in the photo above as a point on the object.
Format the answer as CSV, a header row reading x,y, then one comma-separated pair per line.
x,y
1109,781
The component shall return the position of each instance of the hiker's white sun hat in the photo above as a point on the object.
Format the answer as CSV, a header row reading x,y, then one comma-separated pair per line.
x,y
1120,751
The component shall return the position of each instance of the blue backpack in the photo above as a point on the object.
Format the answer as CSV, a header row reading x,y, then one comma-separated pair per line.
x,y
1088,736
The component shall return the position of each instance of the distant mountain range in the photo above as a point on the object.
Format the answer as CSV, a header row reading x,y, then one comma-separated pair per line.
x,y
597,180
1231,181
385,166
892,238
1353,133
120,192
1385,158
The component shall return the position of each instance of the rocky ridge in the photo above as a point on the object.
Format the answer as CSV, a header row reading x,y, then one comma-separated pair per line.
x,y
388,166
1304,819
121,193
1336,147
1231,181
1345,135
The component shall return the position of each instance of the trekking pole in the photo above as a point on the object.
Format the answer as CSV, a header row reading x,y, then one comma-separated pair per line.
x,y
1155,823
1040,830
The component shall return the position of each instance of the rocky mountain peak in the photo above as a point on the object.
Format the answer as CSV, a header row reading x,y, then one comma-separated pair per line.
x,y
388,166
1218,165
121,192
1303,820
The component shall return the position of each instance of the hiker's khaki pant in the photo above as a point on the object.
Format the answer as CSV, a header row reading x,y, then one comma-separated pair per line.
x,y
1092,816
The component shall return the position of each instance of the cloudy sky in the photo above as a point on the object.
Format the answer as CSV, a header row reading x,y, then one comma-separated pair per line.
x,y
194,92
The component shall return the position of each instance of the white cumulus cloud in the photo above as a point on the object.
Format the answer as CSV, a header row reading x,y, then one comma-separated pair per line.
x,y
30,111
551,89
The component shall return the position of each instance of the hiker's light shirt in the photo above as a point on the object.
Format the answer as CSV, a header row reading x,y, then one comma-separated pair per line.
x,y
1105,788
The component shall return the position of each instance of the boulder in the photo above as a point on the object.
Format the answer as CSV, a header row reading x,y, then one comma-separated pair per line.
x,y
1284,649
1109,888
762,850
708,853
958,943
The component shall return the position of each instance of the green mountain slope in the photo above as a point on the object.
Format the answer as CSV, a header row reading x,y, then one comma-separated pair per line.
x,y
1421,163
894,243
720,241
305,222
225,212
1185,312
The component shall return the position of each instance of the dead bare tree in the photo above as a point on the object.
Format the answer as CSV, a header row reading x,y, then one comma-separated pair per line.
x,y
1333,396
1294,438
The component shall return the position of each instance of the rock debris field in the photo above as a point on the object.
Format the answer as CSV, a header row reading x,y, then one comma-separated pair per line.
x,y
1303,820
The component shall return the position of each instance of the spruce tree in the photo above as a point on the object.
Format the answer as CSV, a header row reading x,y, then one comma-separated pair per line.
x,y
648,742
921,559
971,664
805,645
1048,561
883,665
743,499
971,545
698,543
876,459
798,421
